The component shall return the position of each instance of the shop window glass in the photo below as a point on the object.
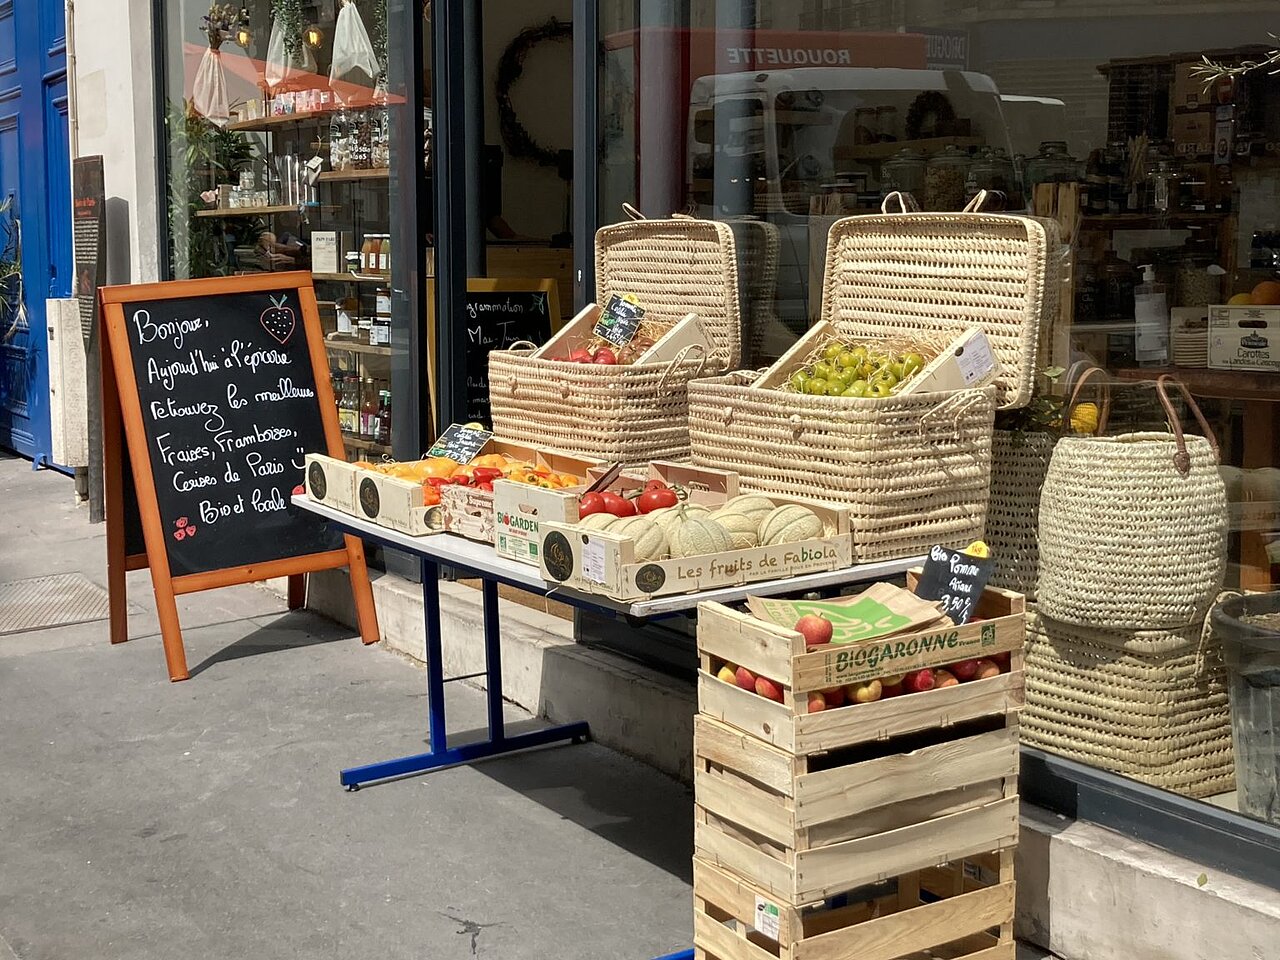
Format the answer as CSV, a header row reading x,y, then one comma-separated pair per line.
x,y
278,132
784,116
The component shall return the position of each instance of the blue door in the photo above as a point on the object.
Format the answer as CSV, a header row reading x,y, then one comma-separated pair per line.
x,y
35,179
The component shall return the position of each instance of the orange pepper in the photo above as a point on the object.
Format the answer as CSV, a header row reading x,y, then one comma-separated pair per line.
x,y
490,460
430,496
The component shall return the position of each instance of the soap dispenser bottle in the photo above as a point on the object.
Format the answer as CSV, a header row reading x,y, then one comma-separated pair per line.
x,y
1151,311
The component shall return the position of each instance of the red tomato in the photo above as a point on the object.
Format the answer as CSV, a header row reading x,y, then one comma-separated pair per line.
x,y
655,485
656,499
605,355
580,355
590,503
618,506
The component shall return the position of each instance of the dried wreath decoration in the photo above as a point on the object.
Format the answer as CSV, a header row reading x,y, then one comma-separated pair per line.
x,y
518,141
222,21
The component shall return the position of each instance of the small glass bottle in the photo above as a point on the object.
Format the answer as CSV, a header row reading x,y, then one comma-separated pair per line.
x,y
368,410
383,433
384,255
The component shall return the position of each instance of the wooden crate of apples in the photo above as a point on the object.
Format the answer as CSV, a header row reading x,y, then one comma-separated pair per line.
x,y
826,765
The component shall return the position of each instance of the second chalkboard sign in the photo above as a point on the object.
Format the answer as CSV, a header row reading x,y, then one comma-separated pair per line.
x,y
955,578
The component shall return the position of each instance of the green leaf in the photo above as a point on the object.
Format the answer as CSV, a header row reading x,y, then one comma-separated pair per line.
x,y
1202,880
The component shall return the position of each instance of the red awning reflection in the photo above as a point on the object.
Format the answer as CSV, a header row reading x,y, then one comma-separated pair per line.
x,y
246,79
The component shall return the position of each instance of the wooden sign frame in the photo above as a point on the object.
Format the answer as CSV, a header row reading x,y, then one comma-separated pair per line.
x,y
123,423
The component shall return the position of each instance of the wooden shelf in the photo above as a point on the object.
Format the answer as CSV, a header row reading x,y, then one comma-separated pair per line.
x,y
349,278
338,176
248,211
883,151
355,346
267,124
351,440
1224,384
1148,221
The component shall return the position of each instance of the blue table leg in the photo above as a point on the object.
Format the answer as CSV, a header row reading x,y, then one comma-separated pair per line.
x,y
493,660
498,743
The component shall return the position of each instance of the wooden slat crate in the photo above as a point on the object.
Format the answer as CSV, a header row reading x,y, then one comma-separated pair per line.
x,y
807,806
907,918
729,636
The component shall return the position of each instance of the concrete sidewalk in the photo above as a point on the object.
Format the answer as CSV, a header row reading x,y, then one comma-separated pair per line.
x,y
144,819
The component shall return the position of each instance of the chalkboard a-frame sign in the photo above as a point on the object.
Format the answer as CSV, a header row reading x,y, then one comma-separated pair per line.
x,y
219,388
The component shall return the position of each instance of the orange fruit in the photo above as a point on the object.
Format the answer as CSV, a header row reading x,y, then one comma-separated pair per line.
x,y
1267,293
1241,300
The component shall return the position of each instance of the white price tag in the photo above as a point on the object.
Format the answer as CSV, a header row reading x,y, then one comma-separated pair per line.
x,y
593,561
977,362
768,918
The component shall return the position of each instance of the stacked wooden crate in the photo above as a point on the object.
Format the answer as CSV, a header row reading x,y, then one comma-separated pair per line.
x,y
874,831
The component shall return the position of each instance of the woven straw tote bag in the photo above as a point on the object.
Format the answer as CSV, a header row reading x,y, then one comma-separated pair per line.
x,y
1150,704
1133,527
1019,463
637,412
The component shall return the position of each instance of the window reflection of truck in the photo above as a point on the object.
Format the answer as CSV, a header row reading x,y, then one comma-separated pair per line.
x,y
763,144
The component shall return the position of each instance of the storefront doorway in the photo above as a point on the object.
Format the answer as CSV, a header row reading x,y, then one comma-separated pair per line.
x,y
35,235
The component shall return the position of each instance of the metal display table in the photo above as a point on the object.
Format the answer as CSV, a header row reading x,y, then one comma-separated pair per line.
x,y
482,561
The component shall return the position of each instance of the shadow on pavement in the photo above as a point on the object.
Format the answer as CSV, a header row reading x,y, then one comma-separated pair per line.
x,y
288,631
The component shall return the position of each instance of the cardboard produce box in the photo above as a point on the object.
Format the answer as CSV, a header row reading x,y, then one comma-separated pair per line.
x,y
1244,338
600,562
521,510
331,481
1192,133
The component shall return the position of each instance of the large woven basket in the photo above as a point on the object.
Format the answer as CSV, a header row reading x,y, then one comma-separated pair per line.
x,y
913,470
638,412
924,273
1019,462
1133,528
1149,704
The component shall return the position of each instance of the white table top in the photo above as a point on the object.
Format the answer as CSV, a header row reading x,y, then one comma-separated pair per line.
x,y
447,548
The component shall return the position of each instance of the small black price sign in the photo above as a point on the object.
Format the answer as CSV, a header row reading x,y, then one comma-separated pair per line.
x,y
955,578
619,320
461,443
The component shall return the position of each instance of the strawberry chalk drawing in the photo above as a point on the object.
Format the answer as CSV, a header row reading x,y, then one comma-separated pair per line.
x,y
278,320
182,522
183,528
179,534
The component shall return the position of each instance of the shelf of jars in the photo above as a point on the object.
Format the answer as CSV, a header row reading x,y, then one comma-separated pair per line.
x,y
341,176
355,346
267,124
264,211
351,277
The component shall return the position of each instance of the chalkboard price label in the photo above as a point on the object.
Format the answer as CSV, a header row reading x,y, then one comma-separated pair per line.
x,y
620,320
460,442
955,578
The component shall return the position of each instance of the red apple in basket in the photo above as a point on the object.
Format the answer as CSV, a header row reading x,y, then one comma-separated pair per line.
x,y
768,689
867,692
888,690
987,669
746,679
965,670
944,678
918,681
816,630
834,697
579,355
817,702
728,674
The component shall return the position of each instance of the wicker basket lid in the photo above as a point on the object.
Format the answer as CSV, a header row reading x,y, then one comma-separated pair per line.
x,y
921,273
675,267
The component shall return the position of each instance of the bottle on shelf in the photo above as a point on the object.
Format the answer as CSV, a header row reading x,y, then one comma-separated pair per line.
x,y
348,414
384,255
383,433
1151,311
348,311
368,410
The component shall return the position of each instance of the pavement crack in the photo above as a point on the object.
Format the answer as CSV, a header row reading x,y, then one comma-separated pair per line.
x,y
470,927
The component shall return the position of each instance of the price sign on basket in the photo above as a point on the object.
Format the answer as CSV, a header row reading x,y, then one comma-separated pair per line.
x,y
461,443
955,578
620,320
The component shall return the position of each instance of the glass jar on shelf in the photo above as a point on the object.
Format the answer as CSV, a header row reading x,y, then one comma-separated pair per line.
x,y
1053,164
361,140
1197,280
992,170
944,179
339,140
904,171
1162,190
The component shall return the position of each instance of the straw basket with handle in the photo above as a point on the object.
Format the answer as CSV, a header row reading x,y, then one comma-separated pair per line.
x,y
913,468
1019,462
630,413
1133,527
1149,704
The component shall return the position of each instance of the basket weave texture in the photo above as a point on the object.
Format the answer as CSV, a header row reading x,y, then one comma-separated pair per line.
x,y
1126,540
1019,462
1148,704
924,273
638,412
913,470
